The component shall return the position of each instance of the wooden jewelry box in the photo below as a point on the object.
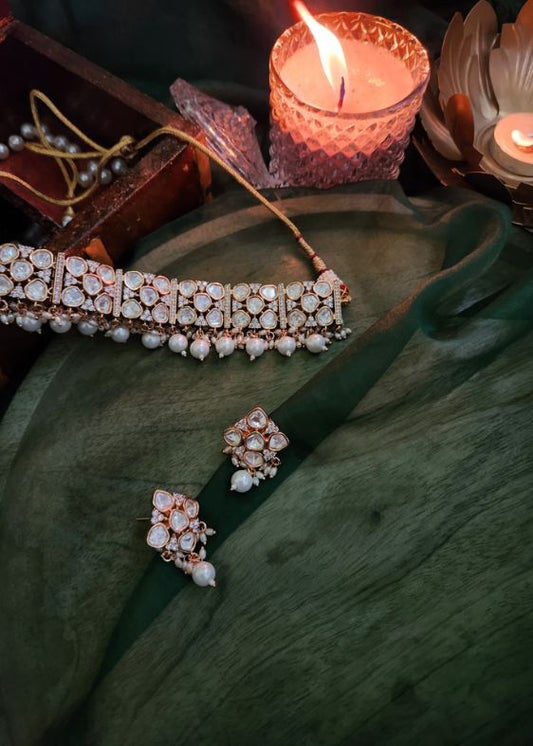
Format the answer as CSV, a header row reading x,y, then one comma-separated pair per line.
x,y
167,179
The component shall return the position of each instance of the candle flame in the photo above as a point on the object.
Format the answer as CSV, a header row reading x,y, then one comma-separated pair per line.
x,y
523,140
329,48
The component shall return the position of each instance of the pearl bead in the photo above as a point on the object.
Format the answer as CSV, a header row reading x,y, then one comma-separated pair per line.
x,y
29,323
45,129
87,328
119,166
60,325
73,148
241,481
28,131
225,346
85,179
49,139
286,345
66,219
106,177
92,167
15,142
255,347
316,343
4,152
200,348
178,343
120,334
151,340
60,142
203,574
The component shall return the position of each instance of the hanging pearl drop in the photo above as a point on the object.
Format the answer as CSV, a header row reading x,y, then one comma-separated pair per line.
x,y
255,347
316,343
87,328
119,334
60,325
29,323
151,340
225,346
200,348
241,481
286,345
203,574
178,343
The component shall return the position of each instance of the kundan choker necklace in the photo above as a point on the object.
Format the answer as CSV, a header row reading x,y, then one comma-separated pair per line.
x,y
39,287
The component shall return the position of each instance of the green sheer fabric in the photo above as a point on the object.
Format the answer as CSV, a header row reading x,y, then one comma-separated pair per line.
x,y
377,591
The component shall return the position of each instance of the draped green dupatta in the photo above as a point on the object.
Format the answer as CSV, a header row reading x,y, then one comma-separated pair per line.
x,y
376,590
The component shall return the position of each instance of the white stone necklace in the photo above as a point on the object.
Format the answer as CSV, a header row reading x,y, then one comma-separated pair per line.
x,y
37,286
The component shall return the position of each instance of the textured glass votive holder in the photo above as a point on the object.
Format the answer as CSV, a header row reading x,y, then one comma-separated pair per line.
x,y
314,147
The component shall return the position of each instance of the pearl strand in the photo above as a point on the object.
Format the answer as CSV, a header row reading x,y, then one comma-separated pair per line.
x,y
28,132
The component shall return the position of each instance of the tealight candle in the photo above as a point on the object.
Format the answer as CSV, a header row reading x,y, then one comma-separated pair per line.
x,y
350,119
512,145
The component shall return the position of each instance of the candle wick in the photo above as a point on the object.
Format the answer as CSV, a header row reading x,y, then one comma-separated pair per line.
x,y
342,94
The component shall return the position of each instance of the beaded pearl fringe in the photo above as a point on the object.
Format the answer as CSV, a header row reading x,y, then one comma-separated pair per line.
x,y
193,316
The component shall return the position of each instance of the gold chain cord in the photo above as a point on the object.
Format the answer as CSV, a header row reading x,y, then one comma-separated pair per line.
x,y
127,147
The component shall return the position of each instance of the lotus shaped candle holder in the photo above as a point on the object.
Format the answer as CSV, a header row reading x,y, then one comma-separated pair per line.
x,y
478,110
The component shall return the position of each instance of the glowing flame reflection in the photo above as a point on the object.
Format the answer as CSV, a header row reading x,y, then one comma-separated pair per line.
x,y
523,140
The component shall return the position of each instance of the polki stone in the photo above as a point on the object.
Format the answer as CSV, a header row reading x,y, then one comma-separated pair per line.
x,y
158,536
21,270
36,291
42,258
72,296
76,265
163,500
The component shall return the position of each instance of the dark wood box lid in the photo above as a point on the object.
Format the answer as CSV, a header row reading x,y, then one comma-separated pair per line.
x,y
5,11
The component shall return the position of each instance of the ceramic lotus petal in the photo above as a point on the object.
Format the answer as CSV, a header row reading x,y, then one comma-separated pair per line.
x,y
431,116
463,66
511,64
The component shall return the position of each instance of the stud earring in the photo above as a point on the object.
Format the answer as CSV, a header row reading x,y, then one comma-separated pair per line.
x,y
176,533
253,443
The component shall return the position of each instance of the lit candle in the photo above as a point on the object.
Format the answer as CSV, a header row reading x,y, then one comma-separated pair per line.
x,y
512,145
373,77
345,91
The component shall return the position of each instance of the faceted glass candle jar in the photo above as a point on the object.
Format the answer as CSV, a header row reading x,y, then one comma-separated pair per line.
x,y
310,146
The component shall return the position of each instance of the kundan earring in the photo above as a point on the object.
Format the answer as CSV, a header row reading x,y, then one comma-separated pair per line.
x,y
176,533
254,443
